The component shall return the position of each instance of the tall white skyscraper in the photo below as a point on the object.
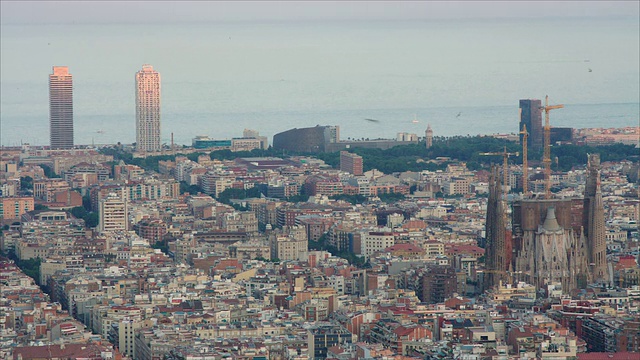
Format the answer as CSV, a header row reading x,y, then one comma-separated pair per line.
x,y
147,109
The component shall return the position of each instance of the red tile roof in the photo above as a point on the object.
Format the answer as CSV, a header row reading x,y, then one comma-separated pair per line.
x,y
67,351
403,331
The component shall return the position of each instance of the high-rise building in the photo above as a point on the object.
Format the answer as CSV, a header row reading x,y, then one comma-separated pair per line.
x,y
147,109
531,116
61,108
351,163
113,214
428,137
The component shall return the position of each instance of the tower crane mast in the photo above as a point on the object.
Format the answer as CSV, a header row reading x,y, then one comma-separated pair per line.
x,y
525,160
546,160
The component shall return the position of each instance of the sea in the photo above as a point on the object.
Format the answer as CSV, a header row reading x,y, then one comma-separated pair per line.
x,y
463,77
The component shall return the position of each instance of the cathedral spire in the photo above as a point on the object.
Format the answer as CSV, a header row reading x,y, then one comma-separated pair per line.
x,y
593,221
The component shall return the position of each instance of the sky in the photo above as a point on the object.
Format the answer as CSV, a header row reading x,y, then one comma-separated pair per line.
x,y
60,12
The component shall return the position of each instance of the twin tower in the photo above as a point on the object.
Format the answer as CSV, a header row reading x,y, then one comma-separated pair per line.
x,y
147,109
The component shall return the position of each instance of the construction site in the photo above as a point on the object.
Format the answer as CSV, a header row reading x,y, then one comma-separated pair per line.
x,y
538,237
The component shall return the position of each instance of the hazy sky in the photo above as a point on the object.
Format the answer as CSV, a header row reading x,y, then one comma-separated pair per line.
x,y
14,12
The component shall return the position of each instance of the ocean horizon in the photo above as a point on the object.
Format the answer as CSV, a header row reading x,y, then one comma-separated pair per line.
x,y
113,128
220,78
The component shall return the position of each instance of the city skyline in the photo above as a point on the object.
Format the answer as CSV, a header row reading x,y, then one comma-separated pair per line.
x,y
319,180
271,75
147,100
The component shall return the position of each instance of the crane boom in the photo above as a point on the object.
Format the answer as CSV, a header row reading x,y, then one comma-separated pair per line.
x,y
546,160
525,160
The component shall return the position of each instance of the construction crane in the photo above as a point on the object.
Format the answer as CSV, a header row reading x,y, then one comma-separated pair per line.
x,y
525,160
546,160
505,167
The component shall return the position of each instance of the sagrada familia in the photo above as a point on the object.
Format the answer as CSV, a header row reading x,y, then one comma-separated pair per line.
x,y
547,240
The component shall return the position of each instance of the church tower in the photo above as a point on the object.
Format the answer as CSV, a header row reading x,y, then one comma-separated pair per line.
x,y
593,221
497,250
428,136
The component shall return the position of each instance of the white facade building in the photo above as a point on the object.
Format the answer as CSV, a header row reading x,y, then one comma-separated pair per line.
x,y
376,241
113,214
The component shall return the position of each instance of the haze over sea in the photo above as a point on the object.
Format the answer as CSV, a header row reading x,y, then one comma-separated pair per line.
x,y
219,77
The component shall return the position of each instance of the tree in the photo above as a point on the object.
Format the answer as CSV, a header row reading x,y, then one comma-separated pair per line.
x,y
391,197
91,220
79,212
163,245
86,202
48,171
194,156
231,193
30,267
318,245
353,199
191,189
298,198
260,258
26,183
322,244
